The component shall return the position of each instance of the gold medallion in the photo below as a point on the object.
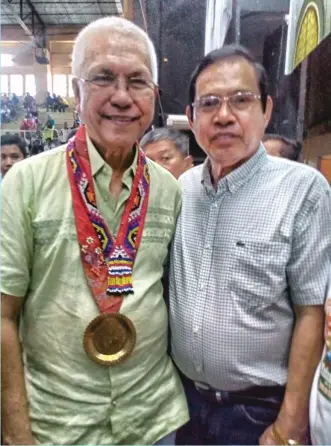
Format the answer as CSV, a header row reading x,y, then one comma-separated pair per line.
x,y
109,339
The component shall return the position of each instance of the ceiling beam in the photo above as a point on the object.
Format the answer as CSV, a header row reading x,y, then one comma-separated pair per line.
x,y
21,21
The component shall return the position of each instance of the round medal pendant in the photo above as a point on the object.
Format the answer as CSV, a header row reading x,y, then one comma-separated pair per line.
x,y
109,339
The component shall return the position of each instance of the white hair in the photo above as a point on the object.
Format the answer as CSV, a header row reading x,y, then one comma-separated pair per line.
x,y
111,25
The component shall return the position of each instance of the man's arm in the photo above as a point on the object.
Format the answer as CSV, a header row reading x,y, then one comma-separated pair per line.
x,y
305,353
15,424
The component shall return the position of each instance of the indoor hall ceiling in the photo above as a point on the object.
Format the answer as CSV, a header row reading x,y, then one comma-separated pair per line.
x,y
59,12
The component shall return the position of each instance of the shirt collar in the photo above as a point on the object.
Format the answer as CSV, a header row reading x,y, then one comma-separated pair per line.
x,y
238,177
97,162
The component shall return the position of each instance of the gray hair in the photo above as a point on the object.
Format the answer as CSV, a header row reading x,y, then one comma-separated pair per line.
x,y
111,25
180,140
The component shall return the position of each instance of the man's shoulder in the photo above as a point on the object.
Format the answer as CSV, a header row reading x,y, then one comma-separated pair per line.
x,y
162,177
195,173
300,174
38,166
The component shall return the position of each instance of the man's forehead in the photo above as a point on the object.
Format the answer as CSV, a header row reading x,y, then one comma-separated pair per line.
x,y
10,148
117,45
162,145
235,68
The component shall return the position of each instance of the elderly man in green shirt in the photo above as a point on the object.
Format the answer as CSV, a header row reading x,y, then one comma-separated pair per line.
x,y
85,232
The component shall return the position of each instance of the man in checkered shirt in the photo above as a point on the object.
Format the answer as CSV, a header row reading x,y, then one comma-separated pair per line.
x,y
249,270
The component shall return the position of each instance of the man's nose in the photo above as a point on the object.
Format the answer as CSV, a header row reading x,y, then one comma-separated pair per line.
x,y
224,114
121,96
9,162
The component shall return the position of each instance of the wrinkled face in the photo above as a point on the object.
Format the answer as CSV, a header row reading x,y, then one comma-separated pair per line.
x,y
274,147
10,154
116,115
168,156
227,135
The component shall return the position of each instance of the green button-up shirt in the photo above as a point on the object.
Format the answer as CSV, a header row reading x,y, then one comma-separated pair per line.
x,y
72,399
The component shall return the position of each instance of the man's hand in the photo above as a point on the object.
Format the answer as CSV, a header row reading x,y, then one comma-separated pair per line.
x,y
288,429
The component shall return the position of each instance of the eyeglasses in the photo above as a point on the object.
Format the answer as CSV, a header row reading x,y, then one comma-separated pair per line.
x,y
240,101
137,86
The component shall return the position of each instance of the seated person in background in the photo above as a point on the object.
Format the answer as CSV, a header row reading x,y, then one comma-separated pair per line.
x,y
15,101
37,145
48,130
13,149
55,102
55,141
49,102
28,101
169,148
64,132
63,104
50,123
28,124
34,111
48,144
277,145
5,113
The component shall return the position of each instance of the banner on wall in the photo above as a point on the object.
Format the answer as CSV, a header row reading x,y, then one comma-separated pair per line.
x,y
309,23
218,17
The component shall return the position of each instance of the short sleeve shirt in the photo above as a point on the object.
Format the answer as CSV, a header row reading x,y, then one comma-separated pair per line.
x,y
72,399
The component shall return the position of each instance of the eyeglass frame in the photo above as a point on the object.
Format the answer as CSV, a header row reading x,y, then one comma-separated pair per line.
x,y
149,84
254,96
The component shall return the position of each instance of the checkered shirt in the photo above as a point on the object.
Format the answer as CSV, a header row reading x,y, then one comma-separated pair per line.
x,y
241,257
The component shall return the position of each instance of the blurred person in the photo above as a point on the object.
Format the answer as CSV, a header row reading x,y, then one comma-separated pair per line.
x,y
277,145
48,144
64,132
13,149
169,148
249,267
85,265
63,104
55,102
49,102
28,101
55,141
5,113
15,101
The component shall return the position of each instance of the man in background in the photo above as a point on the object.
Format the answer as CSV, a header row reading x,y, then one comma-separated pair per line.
x,y
277,145
169,148
13,149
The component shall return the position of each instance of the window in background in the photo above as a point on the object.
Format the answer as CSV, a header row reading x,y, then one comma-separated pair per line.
x,y
4,83
60,84
16,84
7,60
30,84
70,90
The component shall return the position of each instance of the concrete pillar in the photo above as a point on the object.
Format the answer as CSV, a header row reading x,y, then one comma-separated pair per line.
x,y
40,72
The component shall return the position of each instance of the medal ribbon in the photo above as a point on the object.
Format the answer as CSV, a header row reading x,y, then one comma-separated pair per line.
x,y
107,262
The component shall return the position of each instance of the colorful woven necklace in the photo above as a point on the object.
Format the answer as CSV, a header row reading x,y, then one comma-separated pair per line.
x,y
107,262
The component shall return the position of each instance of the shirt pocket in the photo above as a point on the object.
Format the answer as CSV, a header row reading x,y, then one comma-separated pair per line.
x,y
257,274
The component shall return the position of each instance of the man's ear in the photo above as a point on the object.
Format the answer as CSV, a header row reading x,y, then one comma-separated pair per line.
x,y
268,111
76,90
189,116
156,92
188,162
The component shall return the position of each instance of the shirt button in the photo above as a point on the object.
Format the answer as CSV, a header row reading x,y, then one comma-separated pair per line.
x,y
105,198
215,205
202,286
198,368
208,246
195,329
114,403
